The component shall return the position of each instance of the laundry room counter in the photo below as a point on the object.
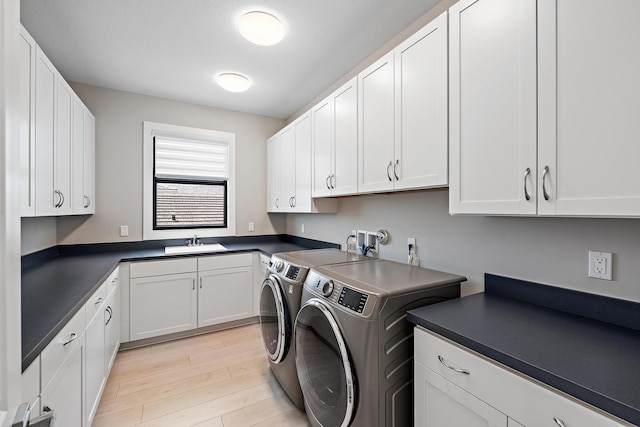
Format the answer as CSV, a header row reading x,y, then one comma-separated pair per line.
x,y
582,344
57,282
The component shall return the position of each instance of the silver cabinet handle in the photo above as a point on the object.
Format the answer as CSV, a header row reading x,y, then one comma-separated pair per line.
x,y
109,310
462,371
526,193
87,201
62,196
545,171
558,421
277,203
201,283
71,339
333,181
395,171
389,175
293,201
326,181
99,301
59,202
194,284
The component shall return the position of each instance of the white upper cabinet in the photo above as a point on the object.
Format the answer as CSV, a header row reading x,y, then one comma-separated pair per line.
x,y
27,57
421,139
57,140
402,138
376,154
492,107
46,199
83,159
335,143
589,107
543,108
289,171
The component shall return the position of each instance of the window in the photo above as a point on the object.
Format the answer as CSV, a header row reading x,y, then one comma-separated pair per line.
x,y
189,182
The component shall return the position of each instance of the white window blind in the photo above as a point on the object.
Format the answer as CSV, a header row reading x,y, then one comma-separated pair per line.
x,y
191,159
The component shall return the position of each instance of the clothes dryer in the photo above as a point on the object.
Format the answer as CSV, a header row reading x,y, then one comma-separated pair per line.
x,y
354,345
279,303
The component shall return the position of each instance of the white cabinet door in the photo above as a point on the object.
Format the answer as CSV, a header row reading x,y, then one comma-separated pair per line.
x,y
345,142
273,174
89,164
45,107
112,328
162,305
421,108
439,402
225,295
62,145
302,135
287,159
492,114
31,386
64,394
376,126
26,112
322,148
77,149
588,107
95,377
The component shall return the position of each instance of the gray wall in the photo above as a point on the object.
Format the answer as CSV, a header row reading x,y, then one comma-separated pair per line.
x,y
119,117
547,250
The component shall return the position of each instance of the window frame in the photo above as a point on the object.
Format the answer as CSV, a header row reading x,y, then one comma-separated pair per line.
x,y
153,129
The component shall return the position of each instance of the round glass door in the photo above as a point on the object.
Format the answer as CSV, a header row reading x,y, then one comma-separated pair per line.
x,y
323,365
274,319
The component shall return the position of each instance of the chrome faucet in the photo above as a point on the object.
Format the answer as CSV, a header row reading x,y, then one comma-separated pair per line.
x,y
194,242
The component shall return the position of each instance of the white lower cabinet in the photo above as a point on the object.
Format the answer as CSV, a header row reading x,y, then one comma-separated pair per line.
x,y
178,295
163,305
64,393
112,314
95,377
487,394
225,290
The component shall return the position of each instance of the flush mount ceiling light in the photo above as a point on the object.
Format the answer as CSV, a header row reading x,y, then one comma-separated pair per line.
x,y
233,82
261,28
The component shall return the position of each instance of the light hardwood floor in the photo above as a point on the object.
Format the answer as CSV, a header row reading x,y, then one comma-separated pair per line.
x,y
218,379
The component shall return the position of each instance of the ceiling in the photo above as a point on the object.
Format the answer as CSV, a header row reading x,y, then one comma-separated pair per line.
x,y
173,48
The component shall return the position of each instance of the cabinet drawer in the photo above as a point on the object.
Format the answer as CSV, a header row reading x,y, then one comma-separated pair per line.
x,y
520,397
224,261
95,303
158,268
113,280
62,345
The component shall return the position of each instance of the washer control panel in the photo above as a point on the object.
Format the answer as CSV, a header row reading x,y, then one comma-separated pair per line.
x,y
292,272
352,299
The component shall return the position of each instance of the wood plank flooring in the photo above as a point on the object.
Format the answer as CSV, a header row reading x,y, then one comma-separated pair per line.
x,y
221,379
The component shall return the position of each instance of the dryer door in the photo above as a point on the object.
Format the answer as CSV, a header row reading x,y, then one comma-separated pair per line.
x,y
275,320
323,365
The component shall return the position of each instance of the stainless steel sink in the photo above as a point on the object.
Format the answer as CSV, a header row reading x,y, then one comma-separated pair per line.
x,y
214,247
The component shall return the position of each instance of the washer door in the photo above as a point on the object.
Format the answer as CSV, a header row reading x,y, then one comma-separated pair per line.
x,y
274,319
323,365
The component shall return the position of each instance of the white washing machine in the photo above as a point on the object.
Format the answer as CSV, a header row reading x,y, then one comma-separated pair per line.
x,y
354,345
279,304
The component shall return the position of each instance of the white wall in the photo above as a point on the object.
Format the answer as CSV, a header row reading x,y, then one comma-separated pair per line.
x,y
547,250
119,117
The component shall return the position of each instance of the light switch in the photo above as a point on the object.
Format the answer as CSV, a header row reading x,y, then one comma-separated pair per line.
x,y
124,230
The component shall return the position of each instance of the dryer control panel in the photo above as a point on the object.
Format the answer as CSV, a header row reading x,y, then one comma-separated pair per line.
x,y
353,300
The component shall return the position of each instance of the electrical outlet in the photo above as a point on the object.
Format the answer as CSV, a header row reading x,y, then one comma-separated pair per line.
x,y
124,230
252,226
302,228
601,265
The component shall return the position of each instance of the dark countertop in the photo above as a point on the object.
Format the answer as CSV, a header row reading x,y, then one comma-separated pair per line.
x,y
58,281
584,345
